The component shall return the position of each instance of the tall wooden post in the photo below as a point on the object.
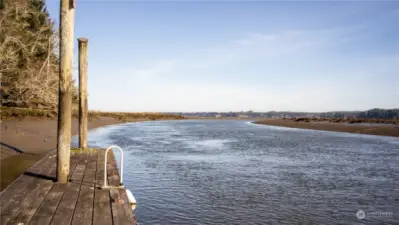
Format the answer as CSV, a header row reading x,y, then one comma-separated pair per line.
x,y
83,108
67,12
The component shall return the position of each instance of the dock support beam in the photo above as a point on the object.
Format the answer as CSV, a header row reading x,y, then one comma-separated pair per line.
x,y
83,107
67,12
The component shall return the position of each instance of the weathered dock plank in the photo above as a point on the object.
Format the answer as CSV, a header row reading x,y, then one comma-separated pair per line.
x,y
100,169
14,195
72,164
102,207
121,211
10,202
31,202
35,198
64,212
84,207
90,174
78,174
46,211
21,182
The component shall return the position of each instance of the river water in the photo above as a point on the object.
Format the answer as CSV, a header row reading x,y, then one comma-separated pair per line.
x,y
235,172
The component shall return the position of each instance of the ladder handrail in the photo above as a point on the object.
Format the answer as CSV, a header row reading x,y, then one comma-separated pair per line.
x,y
105,165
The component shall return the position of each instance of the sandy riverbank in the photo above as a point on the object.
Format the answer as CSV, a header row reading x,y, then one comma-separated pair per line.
x,y
23,142
374,129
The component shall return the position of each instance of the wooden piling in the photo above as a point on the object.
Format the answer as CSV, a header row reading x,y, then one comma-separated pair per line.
x,y
67,12
83,107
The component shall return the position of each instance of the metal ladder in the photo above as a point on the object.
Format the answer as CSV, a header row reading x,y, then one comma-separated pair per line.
x,y
105,168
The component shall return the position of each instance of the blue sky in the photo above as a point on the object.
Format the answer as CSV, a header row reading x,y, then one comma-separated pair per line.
x,y
189,56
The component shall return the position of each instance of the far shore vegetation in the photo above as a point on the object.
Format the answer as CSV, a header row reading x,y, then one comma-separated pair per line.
x,y
345,120
12,113
382,127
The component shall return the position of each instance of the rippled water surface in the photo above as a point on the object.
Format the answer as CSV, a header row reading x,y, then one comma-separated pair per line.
x,y
234,172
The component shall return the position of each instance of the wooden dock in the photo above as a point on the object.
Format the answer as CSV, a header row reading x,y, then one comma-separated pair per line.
x,y
35,197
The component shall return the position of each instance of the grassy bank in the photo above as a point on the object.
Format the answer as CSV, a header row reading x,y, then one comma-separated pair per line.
x,y
347,120
11,113
371,127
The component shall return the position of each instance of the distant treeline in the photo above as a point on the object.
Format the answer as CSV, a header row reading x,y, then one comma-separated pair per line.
x,y
372,113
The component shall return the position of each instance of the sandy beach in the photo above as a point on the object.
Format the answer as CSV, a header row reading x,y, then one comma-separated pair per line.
x,y
374,129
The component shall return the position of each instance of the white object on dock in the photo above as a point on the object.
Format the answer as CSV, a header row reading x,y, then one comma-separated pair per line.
x,y
131,199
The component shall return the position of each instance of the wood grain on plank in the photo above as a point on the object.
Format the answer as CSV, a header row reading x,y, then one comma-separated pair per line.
x,y
102,207
13,197
35,197
66,208
11,206
126,207
84,207
46,211
78,173
90,174
75,159
36,168
64,212
32,201
20,182
120,207
14,189
100,168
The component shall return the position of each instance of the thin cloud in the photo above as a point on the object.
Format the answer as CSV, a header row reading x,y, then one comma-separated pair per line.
x,y
251,46
172,84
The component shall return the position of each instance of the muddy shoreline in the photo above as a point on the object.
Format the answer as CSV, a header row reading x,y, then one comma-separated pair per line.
x,y
372,129
24,142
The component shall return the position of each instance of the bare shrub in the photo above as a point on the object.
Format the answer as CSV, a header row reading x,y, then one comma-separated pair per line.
x,y
28,59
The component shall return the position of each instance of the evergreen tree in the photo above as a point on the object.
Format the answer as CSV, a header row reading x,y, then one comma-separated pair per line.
x,y
28,60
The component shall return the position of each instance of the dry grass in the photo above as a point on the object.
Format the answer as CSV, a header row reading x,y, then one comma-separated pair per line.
x,y
126,116
82,151
375,129
11,113
348,120
21,113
